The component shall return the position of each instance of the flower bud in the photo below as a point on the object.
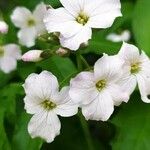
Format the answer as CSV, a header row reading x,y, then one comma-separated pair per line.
x,y
62,52
32,56
3,27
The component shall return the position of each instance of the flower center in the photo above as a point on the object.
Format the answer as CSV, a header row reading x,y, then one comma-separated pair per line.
x,y
48,105
135,68
30,22
82,18
1,51
100,85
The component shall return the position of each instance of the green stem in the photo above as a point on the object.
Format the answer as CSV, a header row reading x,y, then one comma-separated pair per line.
x,y
83,122
84,61
86,131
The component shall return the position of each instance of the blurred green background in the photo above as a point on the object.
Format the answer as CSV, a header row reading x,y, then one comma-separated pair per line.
x,y
127,129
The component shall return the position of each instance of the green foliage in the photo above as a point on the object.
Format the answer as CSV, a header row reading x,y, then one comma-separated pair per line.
x,y
132,124
141,24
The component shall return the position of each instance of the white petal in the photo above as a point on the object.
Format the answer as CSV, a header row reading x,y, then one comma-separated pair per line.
x,y
117,94
12,50
114,37
59,20
39,13
144,87
100,109
8,64
145,64
27,36
128,83
3,27
82,88
129,53
74,42
108,68
73,6
42,86
65,106
104,20
45,125
97,7
19,16
33,104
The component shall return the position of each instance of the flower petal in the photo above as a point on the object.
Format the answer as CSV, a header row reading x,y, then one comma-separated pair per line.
x,y
117,94
65,106
104,20
45,125
39,13
82,88
8,64
12,50
59,20
108,67
144,87
73,6
100,109
27,36
74,42
20,16
41,86
129,53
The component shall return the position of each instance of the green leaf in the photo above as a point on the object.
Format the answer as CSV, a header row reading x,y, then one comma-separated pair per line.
x,y
61,67
4,144
141,24
133,125
21,138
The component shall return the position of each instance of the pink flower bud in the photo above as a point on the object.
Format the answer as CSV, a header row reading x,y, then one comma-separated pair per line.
x,y
62,52
32,56
3,27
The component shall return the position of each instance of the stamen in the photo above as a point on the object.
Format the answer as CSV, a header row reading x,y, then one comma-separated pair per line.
x,y
48,105
100,85
31,22
82,18
135,68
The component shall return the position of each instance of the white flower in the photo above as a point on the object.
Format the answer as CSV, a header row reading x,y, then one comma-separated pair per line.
x,y
3,27
30,24
76,20
137,70
9,54
124,36
32,56
44,100
97,92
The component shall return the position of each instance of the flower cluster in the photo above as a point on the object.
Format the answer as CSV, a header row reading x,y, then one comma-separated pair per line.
x,y
95,92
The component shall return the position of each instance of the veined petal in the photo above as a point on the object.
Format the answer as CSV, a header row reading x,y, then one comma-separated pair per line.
x,y
59,20
65,106
12,50
39,14
40,11
74,42
108,67
42,86
33,104
144,87
82,88
117,94
128,83
19,16
99,109
129,53
104,20
8,64
45,125
73,6
27,36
